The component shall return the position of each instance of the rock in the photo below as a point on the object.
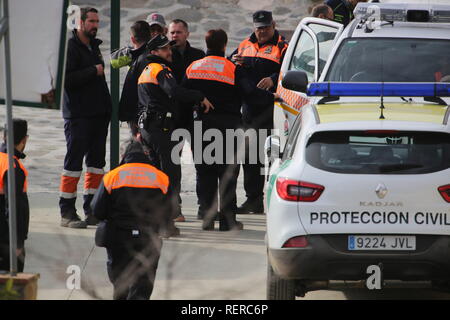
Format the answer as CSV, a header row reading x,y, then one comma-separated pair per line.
x,y
192,3
246,32
187,14
281,11
134,4
156,4
107,13
213,24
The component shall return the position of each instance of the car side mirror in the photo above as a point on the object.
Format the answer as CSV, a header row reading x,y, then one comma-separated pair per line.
x,y
272,148
295,80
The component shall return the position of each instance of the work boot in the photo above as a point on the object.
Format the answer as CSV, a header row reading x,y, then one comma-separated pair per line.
x,y
251,206
228,222
170,231
91,220
73,221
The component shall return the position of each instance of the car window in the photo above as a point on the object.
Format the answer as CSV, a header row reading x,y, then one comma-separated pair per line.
x,y
325,37
391,60
371,152
292,139
303,57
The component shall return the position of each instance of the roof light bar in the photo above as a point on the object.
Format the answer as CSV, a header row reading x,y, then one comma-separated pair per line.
x,y
404,12
377,89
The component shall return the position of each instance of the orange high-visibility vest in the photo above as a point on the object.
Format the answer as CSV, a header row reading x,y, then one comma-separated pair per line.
x,y
4,168
270,51
150,73
136,175
213,68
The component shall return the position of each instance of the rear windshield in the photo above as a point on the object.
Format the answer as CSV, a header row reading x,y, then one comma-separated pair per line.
x,y
379,152
391,60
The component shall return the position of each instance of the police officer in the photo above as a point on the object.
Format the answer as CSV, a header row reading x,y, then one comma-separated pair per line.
x,y
86,112
159,96
261,56
133,200
224,84
20,129
343,10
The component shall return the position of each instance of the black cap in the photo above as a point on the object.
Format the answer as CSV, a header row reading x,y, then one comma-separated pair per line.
x,y
262,18
159,41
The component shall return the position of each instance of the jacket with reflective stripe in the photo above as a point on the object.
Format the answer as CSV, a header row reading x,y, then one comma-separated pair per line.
x,y
263,61
4,170
213,68
133,196
22,205
225,85
159,92
134,175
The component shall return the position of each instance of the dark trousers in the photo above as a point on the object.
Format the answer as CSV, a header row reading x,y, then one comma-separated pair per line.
x,y
5,261
216,182
254,177
217,187
160,145
132,264
85,139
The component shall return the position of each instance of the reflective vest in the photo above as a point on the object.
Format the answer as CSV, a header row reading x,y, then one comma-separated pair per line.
x,y
270,52
150,73
4,168
136,175
212,68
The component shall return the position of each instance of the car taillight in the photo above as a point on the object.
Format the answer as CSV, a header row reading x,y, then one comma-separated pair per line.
x,y
296,242
292,190
445,192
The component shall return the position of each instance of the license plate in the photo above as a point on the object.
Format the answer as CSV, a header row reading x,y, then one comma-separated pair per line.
x,y
370,242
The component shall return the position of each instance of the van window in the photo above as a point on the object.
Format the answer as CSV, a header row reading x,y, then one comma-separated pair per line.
x,y
391,60
371,152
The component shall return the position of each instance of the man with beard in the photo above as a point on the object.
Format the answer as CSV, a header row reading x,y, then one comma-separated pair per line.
x,y
86,112
159,99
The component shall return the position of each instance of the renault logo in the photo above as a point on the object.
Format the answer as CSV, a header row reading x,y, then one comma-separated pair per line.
x,y
381,191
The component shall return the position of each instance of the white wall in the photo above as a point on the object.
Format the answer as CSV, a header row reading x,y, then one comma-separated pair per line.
x,y
35,30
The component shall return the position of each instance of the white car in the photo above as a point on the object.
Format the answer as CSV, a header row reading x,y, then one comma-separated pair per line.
x,y
406,43
361,184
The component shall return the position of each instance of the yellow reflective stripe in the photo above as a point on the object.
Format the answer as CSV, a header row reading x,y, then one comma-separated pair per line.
x,y
287,108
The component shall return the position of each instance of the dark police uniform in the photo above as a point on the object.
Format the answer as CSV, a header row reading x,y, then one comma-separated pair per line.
x,y
224,84
22,208
159,95
343,12
86,112
259,62
133,200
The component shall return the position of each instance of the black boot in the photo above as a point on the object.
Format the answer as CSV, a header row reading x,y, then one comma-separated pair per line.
x,y
227,222
251,206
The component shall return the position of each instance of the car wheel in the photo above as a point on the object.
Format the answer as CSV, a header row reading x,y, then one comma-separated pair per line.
x,y
278,288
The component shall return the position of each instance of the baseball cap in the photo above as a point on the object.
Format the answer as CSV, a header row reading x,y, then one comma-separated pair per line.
x,y
159,41
262,18
156,18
